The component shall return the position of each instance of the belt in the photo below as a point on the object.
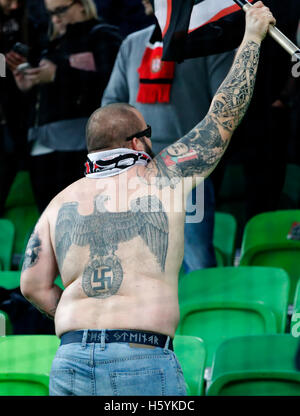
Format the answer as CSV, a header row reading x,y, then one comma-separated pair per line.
x,y
118,335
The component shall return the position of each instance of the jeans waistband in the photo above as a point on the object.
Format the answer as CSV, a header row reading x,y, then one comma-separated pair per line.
x,y
119,335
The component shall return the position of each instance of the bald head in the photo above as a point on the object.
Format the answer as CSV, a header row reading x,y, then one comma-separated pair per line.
x,y
109,126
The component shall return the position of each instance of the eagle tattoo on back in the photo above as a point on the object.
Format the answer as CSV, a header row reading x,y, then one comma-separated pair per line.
x,y
103,231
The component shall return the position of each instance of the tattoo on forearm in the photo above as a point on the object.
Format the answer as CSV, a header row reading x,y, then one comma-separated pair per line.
x,y
201,149
234,95
32,251
103,231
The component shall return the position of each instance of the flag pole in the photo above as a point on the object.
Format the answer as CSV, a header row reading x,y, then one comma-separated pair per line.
x,y
275,33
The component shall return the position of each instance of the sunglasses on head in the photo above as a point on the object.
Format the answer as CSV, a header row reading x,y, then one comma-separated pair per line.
x,y
60,10
147,132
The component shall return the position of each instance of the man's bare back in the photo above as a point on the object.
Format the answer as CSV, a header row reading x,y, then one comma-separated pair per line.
x,y
119,265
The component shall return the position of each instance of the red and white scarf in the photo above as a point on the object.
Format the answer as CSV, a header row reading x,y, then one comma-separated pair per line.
x,y
156,76
112,162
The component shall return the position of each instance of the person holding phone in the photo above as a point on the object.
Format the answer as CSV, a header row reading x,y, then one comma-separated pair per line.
x,y
69,81
13,104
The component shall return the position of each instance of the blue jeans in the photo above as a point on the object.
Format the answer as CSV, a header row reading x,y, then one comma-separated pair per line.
x,y
199,252
115,369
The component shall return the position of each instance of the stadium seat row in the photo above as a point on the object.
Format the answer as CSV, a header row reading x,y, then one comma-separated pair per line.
x,y
262,365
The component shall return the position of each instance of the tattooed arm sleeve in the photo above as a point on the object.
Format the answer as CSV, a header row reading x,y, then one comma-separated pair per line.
x,y
40,270
197,153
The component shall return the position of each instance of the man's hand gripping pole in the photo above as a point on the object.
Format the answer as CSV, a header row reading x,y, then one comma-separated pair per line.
x,y
276,34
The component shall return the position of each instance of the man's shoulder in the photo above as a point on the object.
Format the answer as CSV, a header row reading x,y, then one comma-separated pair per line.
x,y
69,194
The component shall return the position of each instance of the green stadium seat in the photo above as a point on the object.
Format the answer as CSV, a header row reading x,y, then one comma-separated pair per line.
x,y
224,238
6,327
223,302
24,384
10,279
21,209
191,354
265,243
295,321
24,219
59,282
20,193
7,239
25,355
256,366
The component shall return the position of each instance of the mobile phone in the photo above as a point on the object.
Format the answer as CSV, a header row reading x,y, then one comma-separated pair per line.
x,y
23,67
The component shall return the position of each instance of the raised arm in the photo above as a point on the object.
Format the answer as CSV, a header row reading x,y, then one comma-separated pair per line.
x,y
40,270
198,153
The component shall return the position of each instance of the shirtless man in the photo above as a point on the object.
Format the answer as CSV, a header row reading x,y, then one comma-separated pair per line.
x,y
117,242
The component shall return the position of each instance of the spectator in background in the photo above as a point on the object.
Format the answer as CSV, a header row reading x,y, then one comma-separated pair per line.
x,y
18,24
129,16
71,75
39,24
171,113
13,29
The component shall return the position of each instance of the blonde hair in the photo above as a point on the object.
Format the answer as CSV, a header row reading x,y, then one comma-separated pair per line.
x,y
90,9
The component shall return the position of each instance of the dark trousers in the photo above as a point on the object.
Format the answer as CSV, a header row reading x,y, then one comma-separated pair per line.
x,y
52,172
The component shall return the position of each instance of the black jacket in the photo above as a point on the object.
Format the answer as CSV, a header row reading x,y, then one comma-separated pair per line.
x,y
129,16
77,93
13,104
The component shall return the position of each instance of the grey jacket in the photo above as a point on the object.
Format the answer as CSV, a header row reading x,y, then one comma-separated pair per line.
x,y
194,85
